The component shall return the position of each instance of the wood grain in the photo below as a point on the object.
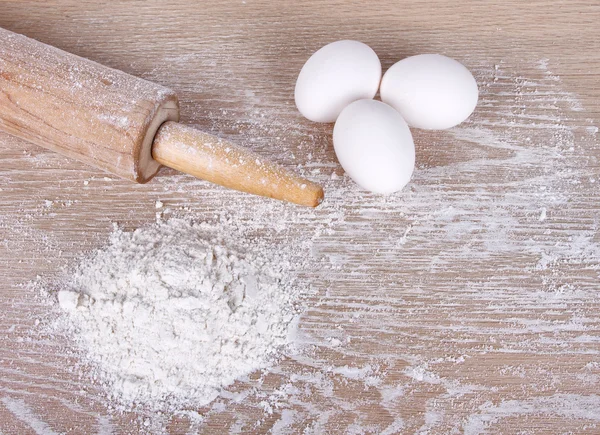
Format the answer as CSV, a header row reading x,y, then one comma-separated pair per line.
x,y
468,303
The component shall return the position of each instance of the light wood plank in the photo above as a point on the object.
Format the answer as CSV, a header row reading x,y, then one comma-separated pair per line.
x,y
457,308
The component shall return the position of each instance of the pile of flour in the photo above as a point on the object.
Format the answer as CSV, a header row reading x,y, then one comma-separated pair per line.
x,y
168,315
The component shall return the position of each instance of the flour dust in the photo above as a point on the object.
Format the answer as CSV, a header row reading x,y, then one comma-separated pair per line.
x,y
170,314
489,258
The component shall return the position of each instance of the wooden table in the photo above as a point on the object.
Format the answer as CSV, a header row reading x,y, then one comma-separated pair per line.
x,y
467,303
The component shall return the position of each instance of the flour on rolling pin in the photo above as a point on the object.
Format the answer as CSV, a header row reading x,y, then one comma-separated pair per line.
x,y
110,119
79,108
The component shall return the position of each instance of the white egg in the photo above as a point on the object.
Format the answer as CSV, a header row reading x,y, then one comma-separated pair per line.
x,y
374,146
430,91
335,76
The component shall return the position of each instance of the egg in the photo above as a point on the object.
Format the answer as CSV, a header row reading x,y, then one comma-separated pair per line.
x,y
430,91
374,146
335,76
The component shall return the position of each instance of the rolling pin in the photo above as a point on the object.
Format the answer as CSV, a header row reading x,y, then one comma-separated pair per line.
x,y
123,124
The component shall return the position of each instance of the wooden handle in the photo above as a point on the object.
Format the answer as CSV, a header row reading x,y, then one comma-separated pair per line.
x,y
219,161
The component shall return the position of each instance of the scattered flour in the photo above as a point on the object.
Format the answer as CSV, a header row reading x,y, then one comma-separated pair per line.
x,y
495,331
572,406
168,315
24,413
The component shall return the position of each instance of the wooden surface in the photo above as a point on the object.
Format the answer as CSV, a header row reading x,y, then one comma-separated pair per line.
x,y
467,303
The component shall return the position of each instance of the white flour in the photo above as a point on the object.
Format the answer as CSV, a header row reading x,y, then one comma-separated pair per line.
x,y
168,316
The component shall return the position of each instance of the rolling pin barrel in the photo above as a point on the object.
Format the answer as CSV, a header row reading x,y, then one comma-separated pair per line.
x,y
112,120
79,108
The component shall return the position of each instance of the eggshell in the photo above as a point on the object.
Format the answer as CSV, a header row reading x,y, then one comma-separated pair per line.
x,y
335,76
430,91
374,146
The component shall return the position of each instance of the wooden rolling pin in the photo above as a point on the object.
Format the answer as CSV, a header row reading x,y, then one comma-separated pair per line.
x,y
122,124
